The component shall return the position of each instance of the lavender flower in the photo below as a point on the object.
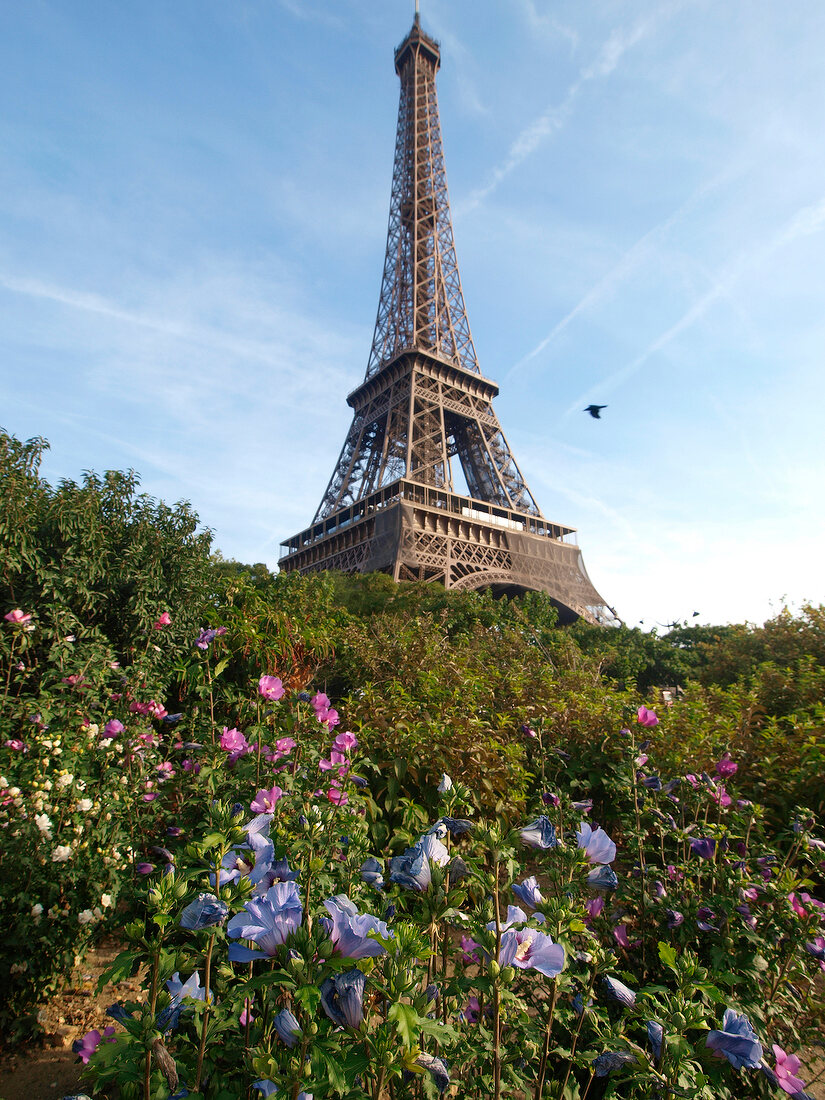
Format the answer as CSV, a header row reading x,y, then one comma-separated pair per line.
x,y
372,872
342,998
596,843
350,929
288,1028
529,949
437,1067
528,892
618,991
655,1034
411,869
204,912
737,1041
704,848
540,833
268,921
610,1060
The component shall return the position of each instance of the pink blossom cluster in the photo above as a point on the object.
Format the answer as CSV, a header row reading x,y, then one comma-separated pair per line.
x,y
150,709
325,713
338,762
18,617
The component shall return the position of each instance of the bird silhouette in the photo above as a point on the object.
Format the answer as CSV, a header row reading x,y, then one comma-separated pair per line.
x,y
594,411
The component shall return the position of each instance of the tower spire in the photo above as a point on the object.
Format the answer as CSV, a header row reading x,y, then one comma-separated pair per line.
x,y
426,487
421,304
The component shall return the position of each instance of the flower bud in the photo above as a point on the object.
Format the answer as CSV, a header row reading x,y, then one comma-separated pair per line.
x,y
495,969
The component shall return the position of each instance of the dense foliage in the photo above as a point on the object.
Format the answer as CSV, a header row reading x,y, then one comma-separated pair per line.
x,y
415,933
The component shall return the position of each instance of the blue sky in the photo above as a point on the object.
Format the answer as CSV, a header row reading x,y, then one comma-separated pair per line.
x,y
193,209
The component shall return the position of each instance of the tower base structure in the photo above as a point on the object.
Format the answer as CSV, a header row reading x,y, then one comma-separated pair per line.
x,y
415,532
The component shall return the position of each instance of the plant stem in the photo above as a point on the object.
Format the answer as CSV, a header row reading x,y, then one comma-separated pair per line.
x,y
497,992
585,999
546,1051
202,1046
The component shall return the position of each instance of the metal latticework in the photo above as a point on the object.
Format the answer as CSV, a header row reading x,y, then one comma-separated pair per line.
x,y
426,486
421,304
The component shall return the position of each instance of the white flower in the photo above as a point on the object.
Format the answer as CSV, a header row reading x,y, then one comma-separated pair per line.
x,y
65,780
58,751
446,784
37,911
106,900
47,786
14,792
44,824
61,854
3,782
84,805
52,913
86,917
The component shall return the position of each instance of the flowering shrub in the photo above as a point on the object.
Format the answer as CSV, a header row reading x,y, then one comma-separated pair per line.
x,y
483,887
284,953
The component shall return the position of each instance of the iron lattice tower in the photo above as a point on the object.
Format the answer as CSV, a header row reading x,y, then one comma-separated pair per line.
x,y
424,412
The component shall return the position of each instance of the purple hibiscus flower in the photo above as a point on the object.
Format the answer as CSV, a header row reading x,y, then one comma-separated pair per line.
x,y
736,1041
596,843
267,921
350,929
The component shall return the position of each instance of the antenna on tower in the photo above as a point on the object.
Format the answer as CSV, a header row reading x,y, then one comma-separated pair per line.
x,y
417,12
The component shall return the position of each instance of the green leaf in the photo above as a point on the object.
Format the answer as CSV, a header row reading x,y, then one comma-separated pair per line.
x,y
668,955
407,1023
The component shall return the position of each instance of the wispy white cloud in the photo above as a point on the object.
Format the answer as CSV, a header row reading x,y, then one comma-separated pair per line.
x,y
635,257
554,117
806,221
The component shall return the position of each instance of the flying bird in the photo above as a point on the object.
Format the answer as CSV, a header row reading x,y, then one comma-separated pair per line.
x,y
594,411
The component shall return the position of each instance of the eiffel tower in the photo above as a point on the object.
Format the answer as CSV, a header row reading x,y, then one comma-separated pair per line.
x,y
424,416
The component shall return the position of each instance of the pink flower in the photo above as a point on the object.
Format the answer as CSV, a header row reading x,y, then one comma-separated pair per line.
x,y
271,687
691,778
337,797
335,760
165,770
285,744
16,744
647,717
787,1066
345,741
721,796
75,680
84,1048
232,740
594,907
323,712
246,1016
164,620
112,728
468,950
18,617
796,905
190,765
144,868
320,702
620,935
726,767
264,801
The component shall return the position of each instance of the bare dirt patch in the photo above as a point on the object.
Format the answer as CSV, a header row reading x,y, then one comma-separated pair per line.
x,y
47,1067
